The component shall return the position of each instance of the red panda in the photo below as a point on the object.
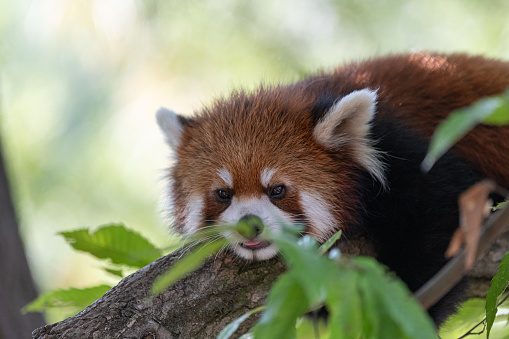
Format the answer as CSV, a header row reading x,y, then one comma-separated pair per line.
x,y
341,150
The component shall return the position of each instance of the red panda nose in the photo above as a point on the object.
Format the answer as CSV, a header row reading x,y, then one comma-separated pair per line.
x,y
250,226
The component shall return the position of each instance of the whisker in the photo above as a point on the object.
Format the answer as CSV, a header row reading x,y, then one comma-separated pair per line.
x,y
221,250
210,239
210,226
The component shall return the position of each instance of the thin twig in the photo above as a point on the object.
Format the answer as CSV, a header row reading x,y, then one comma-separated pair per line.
x,y
482,322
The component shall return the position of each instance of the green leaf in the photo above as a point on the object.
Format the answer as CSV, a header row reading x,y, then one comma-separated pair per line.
x,y
75,298
117,272
186,265
500,205
371,305
498,286
312,327
458,124
285,303
394,297
344,304
230,329
114,242
329,243
309,268
500,116
468,317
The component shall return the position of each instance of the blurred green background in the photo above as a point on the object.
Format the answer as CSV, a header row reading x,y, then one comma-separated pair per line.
x,y
80,81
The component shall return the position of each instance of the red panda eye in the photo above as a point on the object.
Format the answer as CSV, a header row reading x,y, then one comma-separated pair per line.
x,y
223,195
277,192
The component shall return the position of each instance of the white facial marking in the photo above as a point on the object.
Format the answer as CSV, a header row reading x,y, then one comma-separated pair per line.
x,y
194,212
261,207
266,175
226,177
265,210
261,254
318,214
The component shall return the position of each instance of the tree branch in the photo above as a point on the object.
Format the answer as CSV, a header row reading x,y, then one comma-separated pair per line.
x,y
200,305
197,306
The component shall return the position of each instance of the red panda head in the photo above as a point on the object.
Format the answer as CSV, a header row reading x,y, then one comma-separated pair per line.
x,y
266,155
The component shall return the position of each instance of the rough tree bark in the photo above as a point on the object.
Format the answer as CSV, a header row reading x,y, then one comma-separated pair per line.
x,y
16,284
200,305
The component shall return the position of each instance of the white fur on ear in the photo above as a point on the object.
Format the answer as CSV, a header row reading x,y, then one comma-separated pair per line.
x,y
348,122
348,118
170,124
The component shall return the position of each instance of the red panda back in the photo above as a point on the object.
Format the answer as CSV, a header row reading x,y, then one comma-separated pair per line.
x,y
422,89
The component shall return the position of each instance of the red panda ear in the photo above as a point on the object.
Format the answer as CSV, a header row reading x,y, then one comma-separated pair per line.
x,y
172,126
347,123
347,120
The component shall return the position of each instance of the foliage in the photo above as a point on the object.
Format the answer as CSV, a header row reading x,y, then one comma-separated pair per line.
x,y
72,299
470,321
498,285
230,329
489,111
362,299
356,292
117,245
187,264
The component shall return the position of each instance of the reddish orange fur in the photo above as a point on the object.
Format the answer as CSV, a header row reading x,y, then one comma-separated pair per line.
x,y
422,89
239,117
418,89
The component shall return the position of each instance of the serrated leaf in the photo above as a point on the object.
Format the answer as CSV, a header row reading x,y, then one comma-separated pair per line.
x,y
76,298
498,286
115,242
457,124
186,265
285,303
230,329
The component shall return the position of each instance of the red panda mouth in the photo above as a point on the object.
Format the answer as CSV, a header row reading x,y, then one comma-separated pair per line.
x,y
255,244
